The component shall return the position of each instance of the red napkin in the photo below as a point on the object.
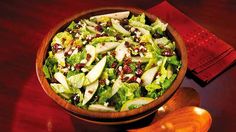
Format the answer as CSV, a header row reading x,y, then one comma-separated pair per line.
x,y
208,55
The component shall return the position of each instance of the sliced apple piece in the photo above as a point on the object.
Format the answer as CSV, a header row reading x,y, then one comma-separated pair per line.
x,y
116,25
60,57
101,108
89,92
106,46
140,59
117,15
90,23
121,51
96,71
92,29
137,102
116,86
149,75
61,79
92,51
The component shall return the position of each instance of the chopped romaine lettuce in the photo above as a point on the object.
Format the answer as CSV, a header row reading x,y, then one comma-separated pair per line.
x,y
158,26
127,91
167,83
72,25
78,80
139,18
103,39
62,38
104,93
76,58
139,24
152,87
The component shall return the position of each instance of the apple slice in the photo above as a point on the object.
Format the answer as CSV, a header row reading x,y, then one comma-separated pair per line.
x,y
117,15
121,51
101,108
90,23
96,71
137,102
116,86
149,75
106,46
116,25
60,57
140,59
61,79
92,51
92,29
89,92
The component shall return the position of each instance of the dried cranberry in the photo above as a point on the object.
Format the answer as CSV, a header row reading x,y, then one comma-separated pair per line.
x,y
102,82
127,61
124,79
104,54
79,66
124,21
75,99
167,53
139,72
79,47
98,35
143,43
127,44
109,24
161,46
118,37
99,28
143,50
68,53
133,79
105,34
113,53
56,47
127,69
114,64
88,57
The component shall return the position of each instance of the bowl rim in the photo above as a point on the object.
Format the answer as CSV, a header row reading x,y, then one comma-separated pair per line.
x,y
83,113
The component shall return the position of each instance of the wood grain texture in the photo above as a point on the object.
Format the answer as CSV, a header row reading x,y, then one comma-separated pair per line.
x,y
187,119
23,24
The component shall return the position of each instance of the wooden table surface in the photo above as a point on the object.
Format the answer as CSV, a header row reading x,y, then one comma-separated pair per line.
x,y
25,107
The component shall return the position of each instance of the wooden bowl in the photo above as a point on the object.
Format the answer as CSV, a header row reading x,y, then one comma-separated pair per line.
x,y
109,118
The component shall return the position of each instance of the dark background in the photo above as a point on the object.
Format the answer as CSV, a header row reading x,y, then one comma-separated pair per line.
x,y
25,107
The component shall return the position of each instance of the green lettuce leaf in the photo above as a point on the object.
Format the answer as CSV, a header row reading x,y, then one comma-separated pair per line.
x,y
127,91
104,94
152,87
63,38
72,25
103,39
139,18
78,80
76,58
50,66
158,26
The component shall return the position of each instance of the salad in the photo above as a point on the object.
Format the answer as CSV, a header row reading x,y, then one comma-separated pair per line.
x,y
112,62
